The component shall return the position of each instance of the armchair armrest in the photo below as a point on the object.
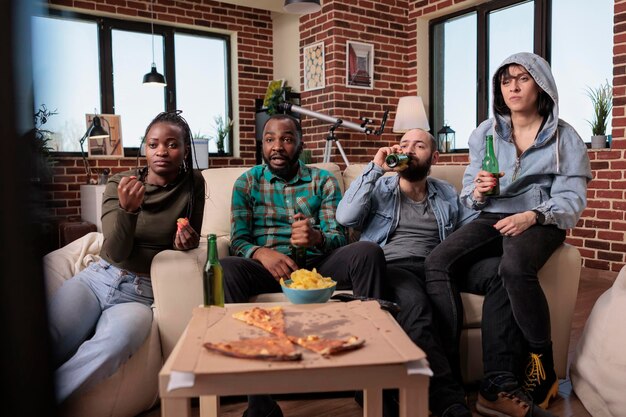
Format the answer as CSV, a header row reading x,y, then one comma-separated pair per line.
x,y
177,287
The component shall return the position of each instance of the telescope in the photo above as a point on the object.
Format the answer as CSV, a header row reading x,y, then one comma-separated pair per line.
x,y
336,122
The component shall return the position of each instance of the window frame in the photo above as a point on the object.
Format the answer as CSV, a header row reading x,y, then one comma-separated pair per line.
x,y
105,53
541,40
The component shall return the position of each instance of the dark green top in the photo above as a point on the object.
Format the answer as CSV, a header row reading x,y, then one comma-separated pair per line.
x,y
131,240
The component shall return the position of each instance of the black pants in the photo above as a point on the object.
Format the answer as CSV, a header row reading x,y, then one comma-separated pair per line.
x,y
359,266
406,286
521,258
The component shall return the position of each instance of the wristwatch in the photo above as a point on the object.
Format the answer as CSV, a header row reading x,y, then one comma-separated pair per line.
x,y
540,218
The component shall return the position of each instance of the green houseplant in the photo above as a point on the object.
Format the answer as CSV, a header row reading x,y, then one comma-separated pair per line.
x,y
602,100
222,129
41,144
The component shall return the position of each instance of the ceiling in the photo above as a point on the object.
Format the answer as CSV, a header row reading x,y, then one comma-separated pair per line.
x,y
272,5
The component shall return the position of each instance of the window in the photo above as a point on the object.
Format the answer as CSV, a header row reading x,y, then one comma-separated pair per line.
x,y
85,64
468,46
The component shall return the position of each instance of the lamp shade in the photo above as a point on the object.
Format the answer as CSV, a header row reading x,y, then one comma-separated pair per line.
x,y
302,6
97,129
154,78
410,115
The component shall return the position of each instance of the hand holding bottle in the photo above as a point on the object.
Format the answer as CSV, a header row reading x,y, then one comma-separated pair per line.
x,y
484,183
383,153
302,232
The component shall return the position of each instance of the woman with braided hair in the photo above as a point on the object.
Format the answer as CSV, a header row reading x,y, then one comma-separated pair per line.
x,y
101,316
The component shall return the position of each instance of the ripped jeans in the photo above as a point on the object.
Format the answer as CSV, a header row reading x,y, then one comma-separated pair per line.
x,y
97,320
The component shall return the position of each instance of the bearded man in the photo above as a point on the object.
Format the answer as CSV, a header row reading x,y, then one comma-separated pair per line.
x,y
284,203
407,215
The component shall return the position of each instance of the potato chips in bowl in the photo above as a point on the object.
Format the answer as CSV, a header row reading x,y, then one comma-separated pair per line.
x,y
307,287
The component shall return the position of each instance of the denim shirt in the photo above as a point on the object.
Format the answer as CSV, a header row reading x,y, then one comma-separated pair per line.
x,y
372,205
551,176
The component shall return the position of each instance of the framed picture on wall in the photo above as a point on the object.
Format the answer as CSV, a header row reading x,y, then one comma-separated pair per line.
x,y
359,65
314,67
106,146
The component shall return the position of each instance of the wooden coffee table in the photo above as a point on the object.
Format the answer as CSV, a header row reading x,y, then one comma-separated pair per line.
x,y
387,360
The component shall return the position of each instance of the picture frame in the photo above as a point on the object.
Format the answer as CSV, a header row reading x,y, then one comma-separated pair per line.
x,y
314,67
106,146
359,65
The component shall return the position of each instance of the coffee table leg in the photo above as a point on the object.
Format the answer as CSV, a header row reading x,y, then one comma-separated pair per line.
x,y
175,407
413,402
209,406
372,403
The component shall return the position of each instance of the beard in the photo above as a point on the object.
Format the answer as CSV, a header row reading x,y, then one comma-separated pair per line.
x,y
417,170
289,170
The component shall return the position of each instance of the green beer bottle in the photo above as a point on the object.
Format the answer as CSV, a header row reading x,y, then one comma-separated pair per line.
x,y
397,160
490,164
213,276
298,253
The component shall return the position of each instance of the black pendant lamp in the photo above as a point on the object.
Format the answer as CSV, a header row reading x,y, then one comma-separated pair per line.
x,y
302,6
153,77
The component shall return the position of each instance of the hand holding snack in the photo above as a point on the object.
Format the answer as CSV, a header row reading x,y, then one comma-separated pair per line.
x,y
130,192
186,237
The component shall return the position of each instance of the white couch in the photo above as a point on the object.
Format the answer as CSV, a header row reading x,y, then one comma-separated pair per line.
x,y
177,276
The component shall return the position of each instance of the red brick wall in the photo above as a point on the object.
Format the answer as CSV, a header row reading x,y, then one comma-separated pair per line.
x,y
390,26
381,23
255,67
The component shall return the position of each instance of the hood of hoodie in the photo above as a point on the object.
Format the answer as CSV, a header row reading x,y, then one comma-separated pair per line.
x,y
540,70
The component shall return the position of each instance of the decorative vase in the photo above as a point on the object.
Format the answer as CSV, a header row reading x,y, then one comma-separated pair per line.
x,y
598,142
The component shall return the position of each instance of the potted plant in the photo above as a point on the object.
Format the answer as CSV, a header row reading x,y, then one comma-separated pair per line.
x,y
222,129
602,100
41,145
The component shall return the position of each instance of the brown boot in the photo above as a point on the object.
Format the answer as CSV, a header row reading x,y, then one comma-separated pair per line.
x,y
540,381
501,396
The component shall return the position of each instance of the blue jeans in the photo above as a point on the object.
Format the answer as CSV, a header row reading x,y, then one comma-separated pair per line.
x,y
97,320
521,258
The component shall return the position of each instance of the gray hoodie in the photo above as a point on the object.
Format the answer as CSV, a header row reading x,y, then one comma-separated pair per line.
x,y
550,176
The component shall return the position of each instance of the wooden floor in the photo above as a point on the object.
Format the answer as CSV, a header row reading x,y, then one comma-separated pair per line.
x,y
592,284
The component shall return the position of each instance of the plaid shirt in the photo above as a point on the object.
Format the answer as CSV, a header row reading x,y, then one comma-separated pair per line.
x,y
263,206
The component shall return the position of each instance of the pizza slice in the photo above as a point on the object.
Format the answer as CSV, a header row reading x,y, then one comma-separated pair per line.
x,y
325,346
266,348
271,320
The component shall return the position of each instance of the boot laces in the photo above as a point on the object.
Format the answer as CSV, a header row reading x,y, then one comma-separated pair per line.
x,y
535,372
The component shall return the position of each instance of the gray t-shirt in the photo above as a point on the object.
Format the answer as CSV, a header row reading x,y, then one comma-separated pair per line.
x,y
417,232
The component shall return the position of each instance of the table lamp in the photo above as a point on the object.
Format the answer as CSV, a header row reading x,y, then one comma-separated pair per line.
x,y
410,115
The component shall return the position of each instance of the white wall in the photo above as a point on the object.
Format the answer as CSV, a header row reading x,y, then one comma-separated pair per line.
x,y
287,48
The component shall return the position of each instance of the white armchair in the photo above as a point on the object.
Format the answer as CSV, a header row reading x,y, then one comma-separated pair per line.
x,y
134,387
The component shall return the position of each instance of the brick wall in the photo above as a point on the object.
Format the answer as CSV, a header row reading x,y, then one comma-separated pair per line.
x,y
255,67
381,23
390,26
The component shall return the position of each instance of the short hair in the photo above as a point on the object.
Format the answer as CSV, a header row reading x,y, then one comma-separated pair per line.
x,y
282,116
545,104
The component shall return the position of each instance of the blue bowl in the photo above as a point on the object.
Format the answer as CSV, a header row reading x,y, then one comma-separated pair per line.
x,y
311,296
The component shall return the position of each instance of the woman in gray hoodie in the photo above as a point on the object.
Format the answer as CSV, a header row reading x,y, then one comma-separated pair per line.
x,y
543,186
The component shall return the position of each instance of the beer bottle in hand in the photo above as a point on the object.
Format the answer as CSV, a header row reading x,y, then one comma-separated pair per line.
x,y
397,160
298,253
490,164
213,276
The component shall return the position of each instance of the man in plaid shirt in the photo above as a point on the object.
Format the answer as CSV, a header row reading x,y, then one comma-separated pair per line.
x,y
284,203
